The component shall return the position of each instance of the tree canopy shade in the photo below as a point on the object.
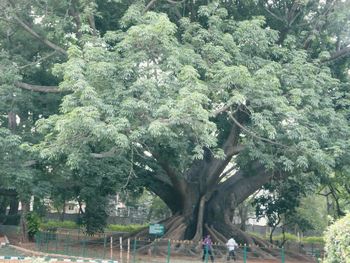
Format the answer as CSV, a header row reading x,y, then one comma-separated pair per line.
x,y
202,103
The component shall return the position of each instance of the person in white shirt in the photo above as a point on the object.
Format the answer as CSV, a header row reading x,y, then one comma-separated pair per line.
x,y
231,245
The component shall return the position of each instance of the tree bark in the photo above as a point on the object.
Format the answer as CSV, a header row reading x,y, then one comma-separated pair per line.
x,y
11,116
23,221
13,205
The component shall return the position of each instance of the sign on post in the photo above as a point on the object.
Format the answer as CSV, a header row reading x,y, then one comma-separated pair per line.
x,y
156,229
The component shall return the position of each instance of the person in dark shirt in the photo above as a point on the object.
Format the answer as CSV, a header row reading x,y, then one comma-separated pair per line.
x,y
207,246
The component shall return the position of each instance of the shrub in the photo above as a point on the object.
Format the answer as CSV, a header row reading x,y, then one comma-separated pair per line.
x,y
54,224
337,238
33,221
125,228
288,237
313,240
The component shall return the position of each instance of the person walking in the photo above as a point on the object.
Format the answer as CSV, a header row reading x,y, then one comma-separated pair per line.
x,y
231,245
207,246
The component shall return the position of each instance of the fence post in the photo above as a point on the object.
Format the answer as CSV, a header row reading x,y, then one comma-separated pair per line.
x,y
111,248
47,241
56,243
128,255
317,255
104,246
245,253
134,251
84,246
65,244
121,249
168,255
282,254
36,237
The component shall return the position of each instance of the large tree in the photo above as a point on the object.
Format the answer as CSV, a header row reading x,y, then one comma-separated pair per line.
x,y
200,103
207,111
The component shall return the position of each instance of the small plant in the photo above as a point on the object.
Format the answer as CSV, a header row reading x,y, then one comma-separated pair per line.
x,y
33,221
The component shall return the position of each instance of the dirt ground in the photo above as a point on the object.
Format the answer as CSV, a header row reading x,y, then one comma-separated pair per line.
x,y
30,247
172,261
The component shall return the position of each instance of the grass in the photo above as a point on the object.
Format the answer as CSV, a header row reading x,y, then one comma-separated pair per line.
x,y
10,252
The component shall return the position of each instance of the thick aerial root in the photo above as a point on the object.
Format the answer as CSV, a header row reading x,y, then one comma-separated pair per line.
x,y
229,230
260,242
215,235
220,232
176,228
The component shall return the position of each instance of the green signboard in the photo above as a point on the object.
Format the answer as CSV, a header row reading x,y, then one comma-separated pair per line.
x,y
156,229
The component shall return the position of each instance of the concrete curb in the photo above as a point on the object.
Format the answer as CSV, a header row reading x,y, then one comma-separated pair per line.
x,y
14,258
52,257
49,259
5,242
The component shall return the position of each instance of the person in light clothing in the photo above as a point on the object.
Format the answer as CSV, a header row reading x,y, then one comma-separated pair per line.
x,y
231,245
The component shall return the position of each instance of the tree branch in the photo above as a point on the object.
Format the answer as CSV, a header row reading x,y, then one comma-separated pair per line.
x,y
36,88
175,2
30,163
253,134
220,110
338,54
39,60
91,19
213,167
242,185
76,16
101,155
36,35
274,15
149,5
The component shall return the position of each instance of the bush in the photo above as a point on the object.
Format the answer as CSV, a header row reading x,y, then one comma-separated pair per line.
x,y
337,240
125,228
33,221
54,224
288,237
313,240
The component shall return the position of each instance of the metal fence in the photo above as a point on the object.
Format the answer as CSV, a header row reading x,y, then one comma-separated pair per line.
x,y
161,250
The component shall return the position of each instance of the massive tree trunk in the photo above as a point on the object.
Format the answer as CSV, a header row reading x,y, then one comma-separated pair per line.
x,y
203,198
210,210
